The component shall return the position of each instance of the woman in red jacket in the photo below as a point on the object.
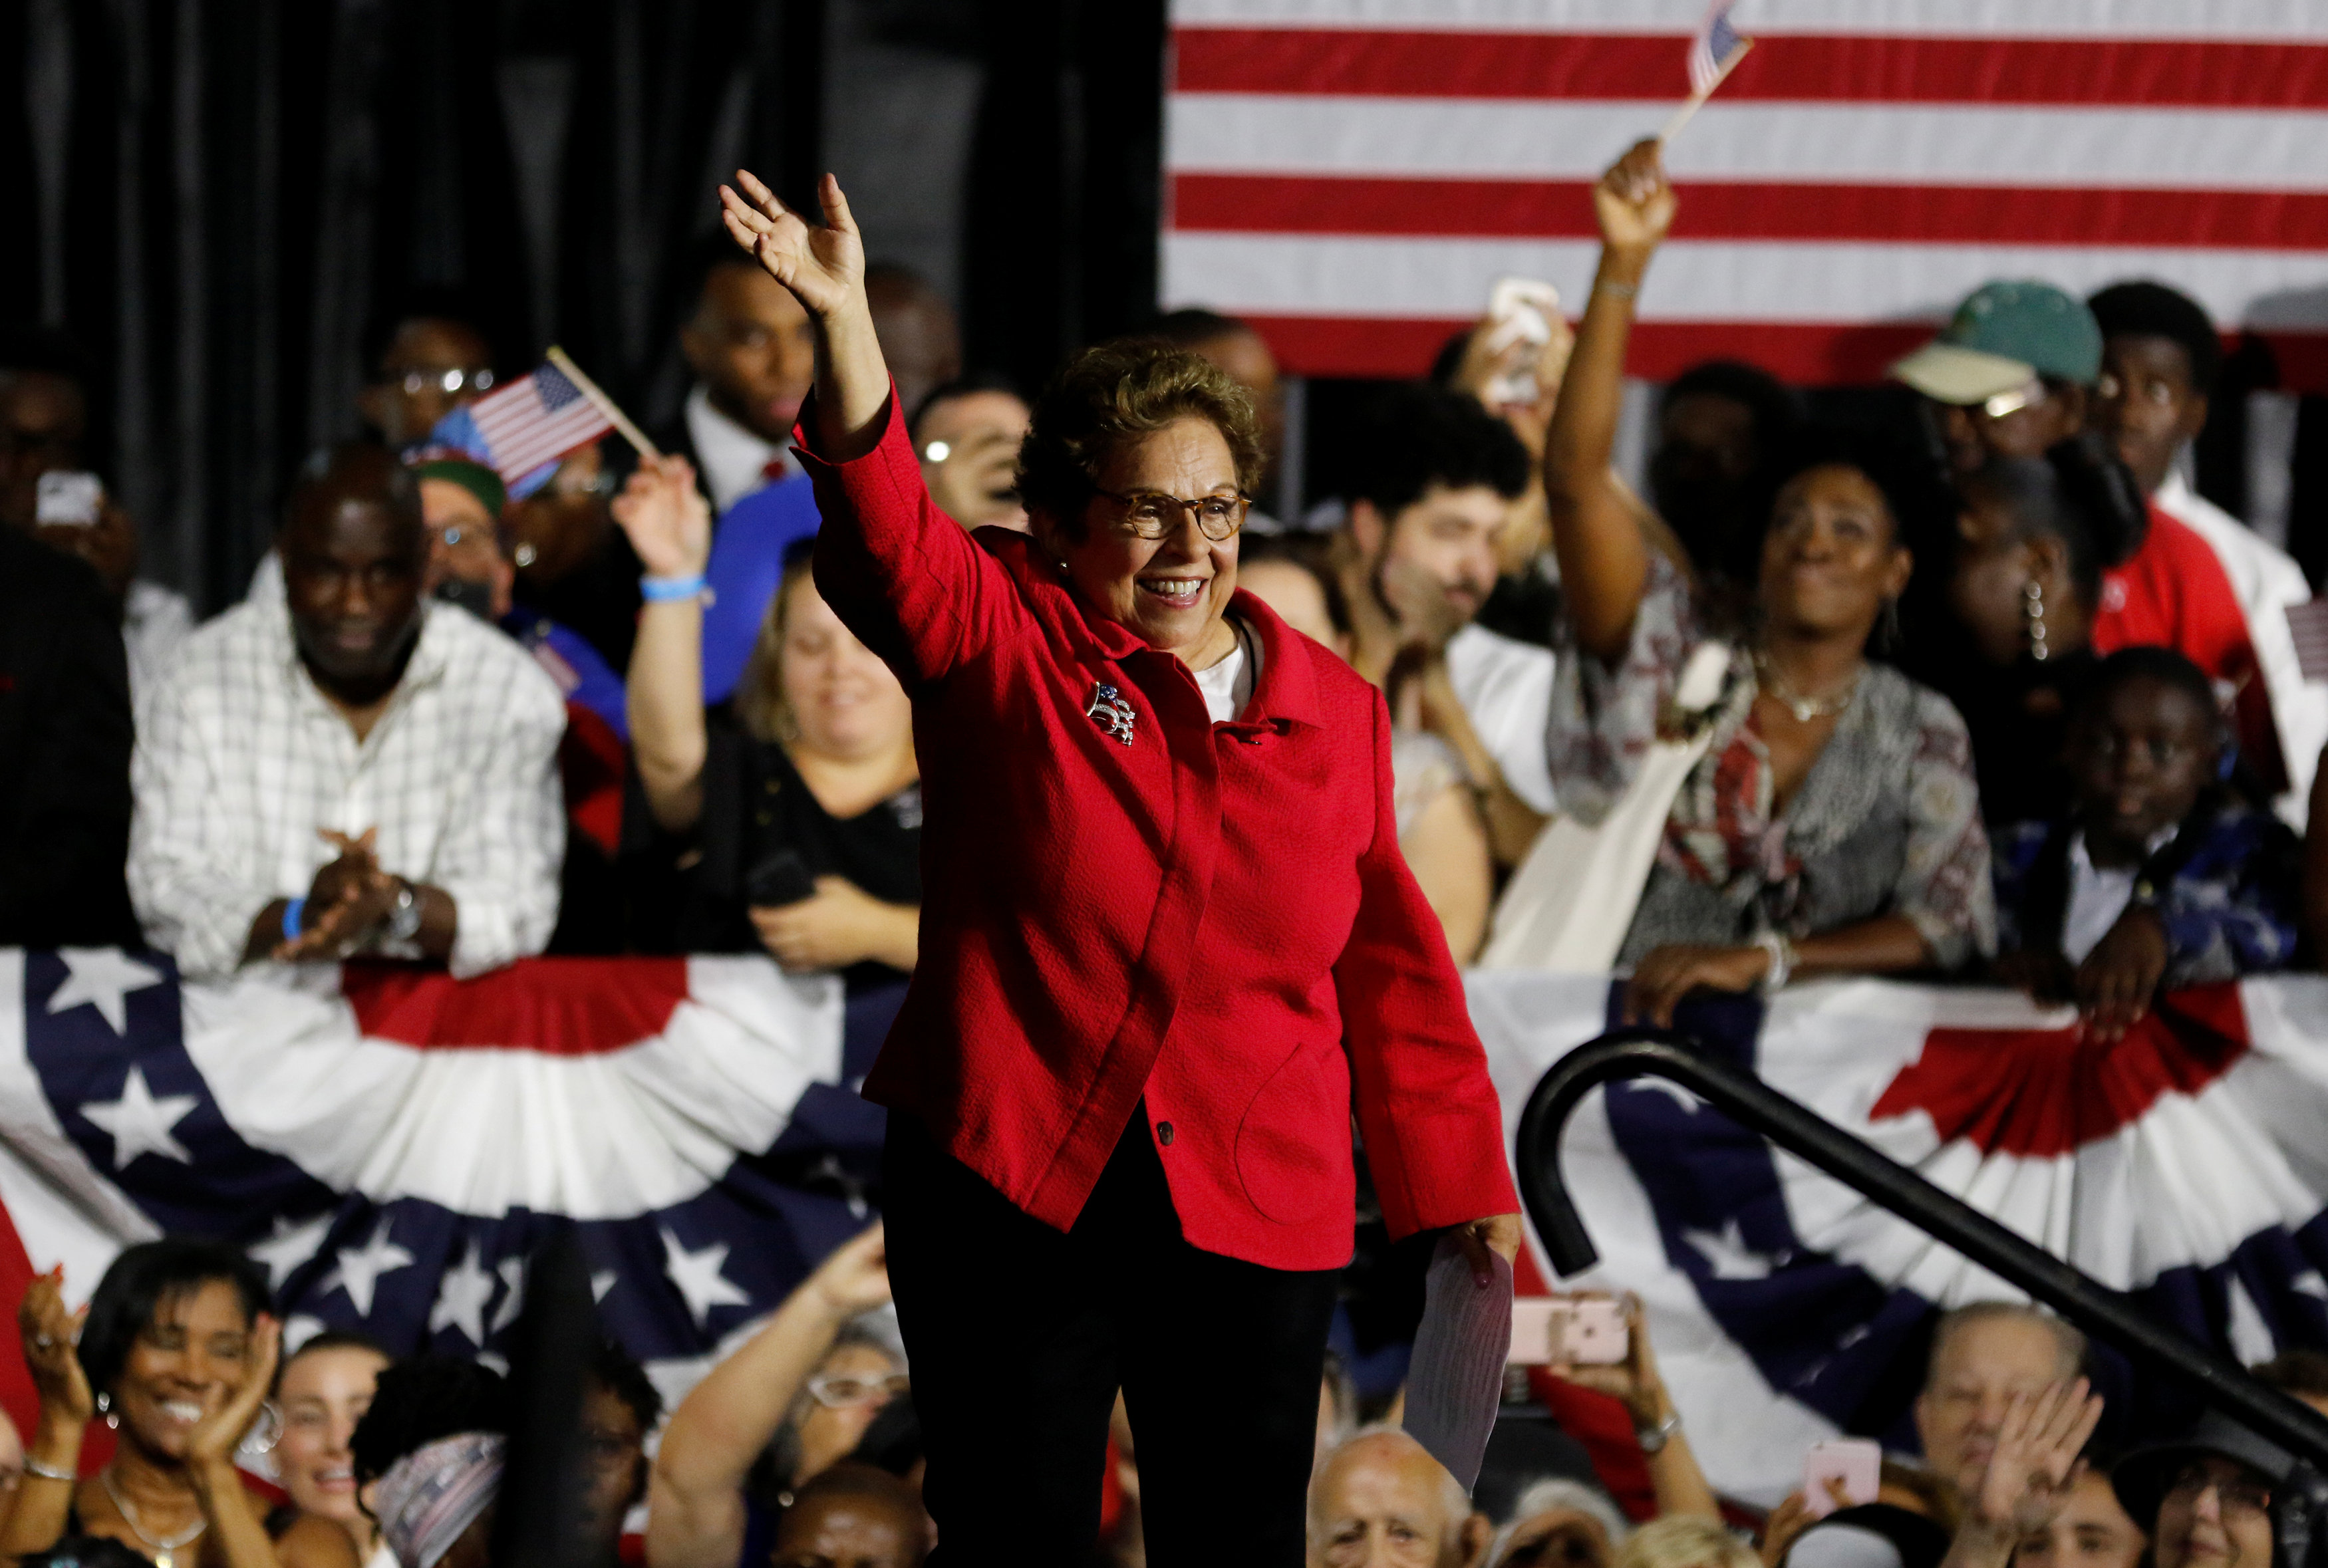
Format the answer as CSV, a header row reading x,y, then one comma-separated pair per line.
x,y
1167,946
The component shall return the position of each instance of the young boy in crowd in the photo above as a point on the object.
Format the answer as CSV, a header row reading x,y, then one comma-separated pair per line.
x,y
2158,878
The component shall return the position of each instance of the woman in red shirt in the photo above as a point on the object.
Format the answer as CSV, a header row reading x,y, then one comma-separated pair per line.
x,y
1167,946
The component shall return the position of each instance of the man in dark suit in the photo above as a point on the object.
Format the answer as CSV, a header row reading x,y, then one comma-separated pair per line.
x,y
64,754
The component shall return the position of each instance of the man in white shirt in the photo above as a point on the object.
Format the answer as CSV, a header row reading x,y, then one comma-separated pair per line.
x,y
1427,507
2160,355
346,769
752,353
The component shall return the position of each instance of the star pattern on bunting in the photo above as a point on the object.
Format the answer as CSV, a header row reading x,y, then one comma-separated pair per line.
x,y
360,1268
699,1277
101,977
140,1123
460,1297
512,1274
1726,1254
293,1243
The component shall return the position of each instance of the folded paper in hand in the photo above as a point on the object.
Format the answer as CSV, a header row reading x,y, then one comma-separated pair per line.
x,y
1455,1382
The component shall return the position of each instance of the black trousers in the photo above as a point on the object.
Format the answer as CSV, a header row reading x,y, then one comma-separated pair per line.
x,y
1020,1337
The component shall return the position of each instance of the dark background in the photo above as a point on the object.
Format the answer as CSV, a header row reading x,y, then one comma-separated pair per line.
x,y
213,198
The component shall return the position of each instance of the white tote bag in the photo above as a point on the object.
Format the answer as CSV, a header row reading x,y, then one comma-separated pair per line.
x,y
1570,902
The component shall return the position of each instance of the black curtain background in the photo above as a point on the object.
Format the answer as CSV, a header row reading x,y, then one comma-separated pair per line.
x,y
213,196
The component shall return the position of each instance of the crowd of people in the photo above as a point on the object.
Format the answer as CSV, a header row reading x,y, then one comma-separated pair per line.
x,y
1974,686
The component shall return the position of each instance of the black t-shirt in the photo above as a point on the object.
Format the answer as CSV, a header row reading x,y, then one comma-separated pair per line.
x,y
764,840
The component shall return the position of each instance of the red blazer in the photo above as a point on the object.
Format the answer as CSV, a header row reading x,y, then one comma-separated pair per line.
x,y
1215,917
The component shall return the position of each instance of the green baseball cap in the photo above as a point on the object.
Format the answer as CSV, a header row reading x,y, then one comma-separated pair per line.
x,y
457,467
2000,338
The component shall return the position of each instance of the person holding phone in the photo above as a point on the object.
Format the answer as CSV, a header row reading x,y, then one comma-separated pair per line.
x,y
1632,1379
795,822
1171,946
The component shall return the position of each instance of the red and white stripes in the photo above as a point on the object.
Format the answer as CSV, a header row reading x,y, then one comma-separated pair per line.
x,y
1354,174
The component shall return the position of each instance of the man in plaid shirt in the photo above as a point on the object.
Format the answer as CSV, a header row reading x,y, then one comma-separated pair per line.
x,y
349,770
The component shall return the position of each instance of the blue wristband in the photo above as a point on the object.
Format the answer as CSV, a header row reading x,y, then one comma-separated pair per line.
x,y
291,914
664,590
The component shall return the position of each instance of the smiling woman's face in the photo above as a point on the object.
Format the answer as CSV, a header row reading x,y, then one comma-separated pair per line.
x,y
184,1365
1172,592
323,1395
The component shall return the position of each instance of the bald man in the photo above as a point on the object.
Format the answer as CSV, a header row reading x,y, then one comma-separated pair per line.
x,y
347,770
852,1516
1378,1500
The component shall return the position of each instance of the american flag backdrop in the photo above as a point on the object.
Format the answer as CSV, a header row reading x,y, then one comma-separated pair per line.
x,y
1353,175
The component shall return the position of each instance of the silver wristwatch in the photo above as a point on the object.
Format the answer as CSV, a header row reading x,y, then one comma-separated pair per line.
x,y
404,914
1653,1438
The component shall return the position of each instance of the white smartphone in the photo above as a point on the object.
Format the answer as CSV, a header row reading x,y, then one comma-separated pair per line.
x,y
66,498
1593,1334
1531,1320
1581,1332
1520,310
1856,1462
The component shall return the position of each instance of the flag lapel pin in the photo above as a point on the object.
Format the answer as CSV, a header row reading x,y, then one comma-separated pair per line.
x,y
1111,712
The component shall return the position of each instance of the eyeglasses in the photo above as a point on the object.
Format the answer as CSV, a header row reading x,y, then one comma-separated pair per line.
x,y
841,1390
451,382
2239,1495
1150,514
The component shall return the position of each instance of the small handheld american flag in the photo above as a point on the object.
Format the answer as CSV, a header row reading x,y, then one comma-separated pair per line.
x,y
1716,49
1714,52
535,419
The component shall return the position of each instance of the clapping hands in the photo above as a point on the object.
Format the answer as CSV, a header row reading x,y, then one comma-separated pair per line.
x,y
52,1337
348,900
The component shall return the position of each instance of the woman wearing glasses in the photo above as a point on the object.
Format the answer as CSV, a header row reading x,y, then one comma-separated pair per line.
x,y
794,1401
2206,1498
1167,946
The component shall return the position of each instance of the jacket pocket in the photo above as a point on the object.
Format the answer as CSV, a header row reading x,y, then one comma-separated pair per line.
x,y
1293,1145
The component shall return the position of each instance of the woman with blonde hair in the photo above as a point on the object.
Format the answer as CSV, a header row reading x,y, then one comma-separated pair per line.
x,y
793,823
1685,1541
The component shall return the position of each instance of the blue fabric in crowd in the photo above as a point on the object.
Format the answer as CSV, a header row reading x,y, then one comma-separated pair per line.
x,y
581,672
747,559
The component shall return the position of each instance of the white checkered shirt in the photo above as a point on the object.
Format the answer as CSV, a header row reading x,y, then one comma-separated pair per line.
x,y
240,761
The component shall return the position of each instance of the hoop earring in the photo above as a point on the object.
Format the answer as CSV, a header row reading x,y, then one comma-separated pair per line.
x,y
266,1431
2033,606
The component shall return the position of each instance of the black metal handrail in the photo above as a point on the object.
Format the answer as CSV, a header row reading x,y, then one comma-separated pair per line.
x,y
2104,1313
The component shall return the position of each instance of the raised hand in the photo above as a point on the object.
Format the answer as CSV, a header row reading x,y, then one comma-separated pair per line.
x,y
51,1334
823,267
218,1434
667,519
1633,199
2035,1458
856,1277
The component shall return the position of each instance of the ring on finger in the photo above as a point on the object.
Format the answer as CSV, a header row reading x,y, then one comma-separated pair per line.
x,y
43,1341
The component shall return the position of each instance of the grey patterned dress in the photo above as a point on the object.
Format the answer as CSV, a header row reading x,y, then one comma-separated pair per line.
x,y
1886,823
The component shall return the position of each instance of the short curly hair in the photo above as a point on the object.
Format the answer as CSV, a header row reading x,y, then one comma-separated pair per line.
x,y
1111,395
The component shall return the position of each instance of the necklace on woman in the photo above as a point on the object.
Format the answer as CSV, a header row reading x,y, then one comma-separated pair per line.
x,y
165,1547
1803,708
